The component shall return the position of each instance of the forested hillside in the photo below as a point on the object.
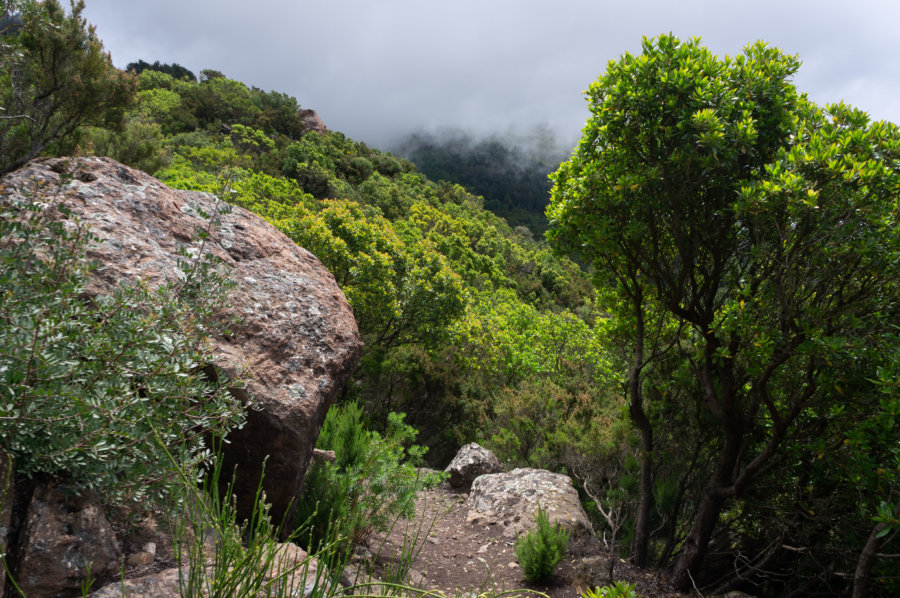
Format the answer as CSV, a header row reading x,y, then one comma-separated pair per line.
x,y
476,332
722,382
459,312
509,171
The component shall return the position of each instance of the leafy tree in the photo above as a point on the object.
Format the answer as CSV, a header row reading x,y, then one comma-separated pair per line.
x,y
174,70
54,79
400,293
139,145
278,113
211,74
721,203
218,100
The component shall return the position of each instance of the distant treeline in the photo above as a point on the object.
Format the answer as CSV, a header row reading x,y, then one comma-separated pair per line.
x,y
509,171
176,70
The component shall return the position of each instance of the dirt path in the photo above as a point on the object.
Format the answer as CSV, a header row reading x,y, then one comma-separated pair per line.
x,y
458,557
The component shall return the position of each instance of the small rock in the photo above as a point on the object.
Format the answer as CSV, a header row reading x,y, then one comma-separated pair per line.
x,y
471,461
416,578
323,456
591,572
140,559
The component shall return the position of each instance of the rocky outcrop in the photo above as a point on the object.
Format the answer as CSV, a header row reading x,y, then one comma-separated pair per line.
x,y
310,121
471,461
296,343
510,500
66,537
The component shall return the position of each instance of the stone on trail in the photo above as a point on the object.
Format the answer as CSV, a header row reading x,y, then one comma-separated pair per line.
x,y
511,500
471,461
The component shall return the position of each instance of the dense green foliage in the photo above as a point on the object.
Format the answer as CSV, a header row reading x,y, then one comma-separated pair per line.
x,y
436,283
726,392
54,79
372,482
746,240
510,172
109,393
541,549
175,70
421,263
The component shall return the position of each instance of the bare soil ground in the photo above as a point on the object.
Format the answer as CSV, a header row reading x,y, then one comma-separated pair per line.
x,y
457,557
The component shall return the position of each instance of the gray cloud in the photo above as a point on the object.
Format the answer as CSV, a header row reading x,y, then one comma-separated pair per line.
x,y
379,69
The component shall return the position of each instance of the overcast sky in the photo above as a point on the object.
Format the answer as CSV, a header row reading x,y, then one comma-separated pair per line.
x,y
379,69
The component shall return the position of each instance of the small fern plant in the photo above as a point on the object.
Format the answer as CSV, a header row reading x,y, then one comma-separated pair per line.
x,y
540,550
620,589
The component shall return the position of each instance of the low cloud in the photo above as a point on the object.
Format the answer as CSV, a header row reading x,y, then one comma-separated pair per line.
x,y
378,70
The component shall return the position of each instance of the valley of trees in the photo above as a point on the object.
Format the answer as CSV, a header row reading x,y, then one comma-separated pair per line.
x,y
723,374
508,171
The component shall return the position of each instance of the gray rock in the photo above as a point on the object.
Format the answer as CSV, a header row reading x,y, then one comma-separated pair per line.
x,y
291,570
510,500
471,461
591,572
297,342
65,538
157,585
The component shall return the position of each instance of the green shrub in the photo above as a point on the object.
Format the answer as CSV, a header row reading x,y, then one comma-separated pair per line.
x,y
139,145
357,169
373,480
540,550
102,390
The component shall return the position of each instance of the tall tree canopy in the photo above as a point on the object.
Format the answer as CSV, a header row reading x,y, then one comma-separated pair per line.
x,y
751,238
54,79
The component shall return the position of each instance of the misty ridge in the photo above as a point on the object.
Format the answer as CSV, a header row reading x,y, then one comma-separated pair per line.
x,y
508,169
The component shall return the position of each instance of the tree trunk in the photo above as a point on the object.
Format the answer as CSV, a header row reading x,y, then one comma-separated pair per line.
x,y
641,540
697,541
721,484
867,558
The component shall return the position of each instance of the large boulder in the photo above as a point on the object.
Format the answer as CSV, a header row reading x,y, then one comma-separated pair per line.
x,y
510,500
471,461
296,343
65,540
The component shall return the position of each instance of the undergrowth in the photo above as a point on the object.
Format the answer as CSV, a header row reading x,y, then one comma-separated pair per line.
x,y
540,550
